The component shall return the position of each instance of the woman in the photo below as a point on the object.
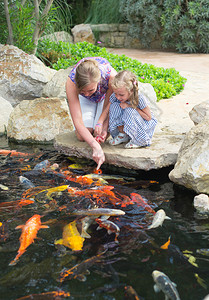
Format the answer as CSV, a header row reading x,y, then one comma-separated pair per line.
x,y
88,90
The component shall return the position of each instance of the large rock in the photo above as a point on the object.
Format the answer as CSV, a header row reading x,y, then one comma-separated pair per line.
x,y
200,112
56,86
39,120
22,76
83,32
6,109
59,36
192,167
162,153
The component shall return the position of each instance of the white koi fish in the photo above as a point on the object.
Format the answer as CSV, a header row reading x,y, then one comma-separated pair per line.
x,y
164,284
158,219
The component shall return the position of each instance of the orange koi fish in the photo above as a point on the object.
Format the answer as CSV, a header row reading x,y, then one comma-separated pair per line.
x,y
130,293
141,202
29,233
56,295
14,204
97,193
13,153
165,246
71,238
95,171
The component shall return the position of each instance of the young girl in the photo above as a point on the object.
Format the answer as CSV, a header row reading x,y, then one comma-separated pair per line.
x,y
130,118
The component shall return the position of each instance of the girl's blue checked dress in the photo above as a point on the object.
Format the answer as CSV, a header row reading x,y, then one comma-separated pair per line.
x,y
139,130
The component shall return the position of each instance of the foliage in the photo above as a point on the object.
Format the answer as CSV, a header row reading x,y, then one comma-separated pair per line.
x,y
186,25
23,22
181,24
104,12
166,82
143,17
23,25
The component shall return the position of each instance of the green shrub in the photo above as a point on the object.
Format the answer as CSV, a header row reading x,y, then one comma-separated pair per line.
x,y
181,24
166,82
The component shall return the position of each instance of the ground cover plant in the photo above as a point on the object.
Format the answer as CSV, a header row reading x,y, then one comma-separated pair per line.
x,y
166,82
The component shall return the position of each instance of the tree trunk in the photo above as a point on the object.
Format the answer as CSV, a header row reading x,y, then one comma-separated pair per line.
x,y
10,39
37,31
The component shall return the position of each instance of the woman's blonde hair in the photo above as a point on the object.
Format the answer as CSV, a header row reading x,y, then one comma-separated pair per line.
x,y
128,80
87,72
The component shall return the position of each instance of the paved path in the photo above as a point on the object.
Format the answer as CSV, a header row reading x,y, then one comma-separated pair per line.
x,y
195,67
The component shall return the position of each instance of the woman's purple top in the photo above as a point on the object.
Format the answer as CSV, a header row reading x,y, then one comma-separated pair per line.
x,y
102,87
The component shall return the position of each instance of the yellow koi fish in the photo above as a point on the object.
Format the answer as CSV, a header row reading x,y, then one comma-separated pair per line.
x,y
71,238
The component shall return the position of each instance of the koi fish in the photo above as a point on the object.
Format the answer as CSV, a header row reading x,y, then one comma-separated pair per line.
x,y
3,187
46,193
78,269
29,233
13,153
26,183
130,293
42,165
99,212
56,295
95,171
97,193
110,226
141,202
71,238
85,223
158,219
203,251
15,204
165,246
163,283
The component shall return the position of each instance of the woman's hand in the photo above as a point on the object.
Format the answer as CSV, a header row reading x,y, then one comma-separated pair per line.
x,y
98,156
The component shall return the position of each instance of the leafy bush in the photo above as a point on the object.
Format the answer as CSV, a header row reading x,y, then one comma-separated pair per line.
x,y
166,82
181,24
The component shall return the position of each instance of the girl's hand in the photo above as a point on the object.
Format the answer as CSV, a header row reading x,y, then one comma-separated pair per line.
x,y
98,129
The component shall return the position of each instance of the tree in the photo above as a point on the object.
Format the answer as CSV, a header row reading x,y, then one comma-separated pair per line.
x,y
26,22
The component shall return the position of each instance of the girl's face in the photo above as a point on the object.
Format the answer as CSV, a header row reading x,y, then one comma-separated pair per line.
x,y
90,89
122,94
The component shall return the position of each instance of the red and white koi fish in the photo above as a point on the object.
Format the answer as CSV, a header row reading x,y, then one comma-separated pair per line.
x,y
141,202
29,233
110,226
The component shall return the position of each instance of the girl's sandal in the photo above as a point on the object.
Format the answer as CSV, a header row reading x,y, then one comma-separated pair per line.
x,y
119,139
131,145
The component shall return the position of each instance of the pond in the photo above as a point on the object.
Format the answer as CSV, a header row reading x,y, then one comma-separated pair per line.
x,y
109,264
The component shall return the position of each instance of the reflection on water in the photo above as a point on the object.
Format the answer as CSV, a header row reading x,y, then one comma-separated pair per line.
x,y
106,267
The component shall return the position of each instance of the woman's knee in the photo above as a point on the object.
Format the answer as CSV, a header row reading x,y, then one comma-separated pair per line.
x,y
79,137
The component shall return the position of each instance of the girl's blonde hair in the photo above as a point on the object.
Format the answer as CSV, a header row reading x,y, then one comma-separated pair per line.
x,y
128,80
87,72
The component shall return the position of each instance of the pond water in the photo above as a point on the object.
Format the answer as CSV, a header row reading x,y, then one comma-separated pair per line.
x,y
105,266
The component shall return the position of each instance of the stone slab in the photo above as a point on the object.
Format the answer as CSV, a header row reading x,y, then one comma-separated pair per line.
x,y
162,153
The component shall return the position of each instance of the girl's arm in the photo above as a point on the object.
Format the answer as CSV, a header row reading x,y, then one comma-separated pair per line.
x,y
145,113
103,119
75,111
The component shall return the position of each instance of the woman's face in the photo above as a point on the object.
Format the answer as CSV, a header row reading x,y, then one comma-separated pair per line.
x,y
90,89
122,94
